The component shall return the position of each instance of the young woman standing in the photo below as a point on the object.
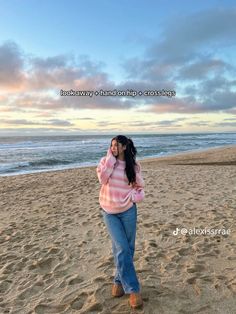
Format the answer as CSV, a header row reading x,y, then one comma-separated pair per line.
x,y
122,186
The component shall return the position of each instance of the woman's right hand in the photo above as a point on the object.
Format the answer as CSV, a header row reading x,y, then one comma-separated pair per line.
x,y
109,152
110,158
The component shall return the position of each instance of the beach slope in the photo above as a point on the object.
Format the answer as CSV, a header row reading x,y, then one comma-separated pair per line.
x,y
56,255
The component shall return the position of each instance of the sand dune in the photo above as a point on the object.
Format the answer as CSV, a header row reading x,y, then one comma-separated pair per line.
x,y
55,253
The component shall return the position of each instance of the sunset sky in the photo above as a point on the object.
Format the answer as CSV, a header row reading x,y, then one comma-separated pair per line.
x,y
184,46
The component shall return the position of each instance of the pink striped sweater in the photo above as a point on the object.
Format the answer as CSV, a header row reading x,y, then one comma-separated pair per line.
x,y
116,195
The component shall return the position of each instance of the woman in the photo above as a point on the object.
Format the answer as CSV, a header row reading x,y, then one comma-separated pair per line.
x,y
122,187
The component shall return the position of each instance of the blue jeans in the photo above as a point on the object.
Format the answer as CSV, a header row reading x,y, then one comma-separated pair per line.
x,y
122,230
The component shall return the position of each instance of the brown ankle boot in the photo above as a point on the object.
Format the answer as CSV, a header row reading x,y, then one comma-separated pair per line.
x,y
135,300
117,290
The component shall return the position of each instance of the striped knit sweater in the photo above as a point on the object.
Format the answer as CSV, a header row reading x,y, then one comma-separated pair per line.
x,y
116,195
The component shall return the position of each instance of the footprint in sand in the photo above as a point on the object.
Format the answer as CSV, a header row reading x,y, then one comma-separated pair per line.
x,y
4,286
147,225
195,268
183,251
42,308
92,304
75,280
206,278
43,265
99,279
191,280
27,293
152,243
78,302
107,262
8,268
53,250
89,233
68,221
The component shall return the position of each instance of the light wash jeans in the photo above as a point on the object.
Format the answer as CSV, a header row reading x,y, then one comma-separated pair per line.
x,y
122,230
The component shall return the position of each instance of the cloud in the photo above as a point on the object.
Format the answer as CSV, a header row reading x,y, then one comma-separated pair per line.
x,y
231,111
185,37
18,122
198,123
219,101
41,80
230,119
53,122
52,73
225,124
11,65
59,122
185,105
216,84
187,58
139,123
47,102
49,63
15,131
200,69
60,72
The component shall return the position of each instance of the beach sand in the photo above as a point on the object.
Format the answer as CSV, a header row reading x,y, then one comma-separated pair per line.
x,y
55,252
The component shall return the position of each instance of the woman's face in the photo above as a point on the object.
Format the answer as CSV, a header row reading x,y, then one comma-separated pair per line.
x,y
117,148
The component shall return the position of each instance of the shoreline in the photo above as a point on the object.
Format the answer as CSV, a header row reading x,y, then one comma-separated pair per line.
x,y
145,160
212,153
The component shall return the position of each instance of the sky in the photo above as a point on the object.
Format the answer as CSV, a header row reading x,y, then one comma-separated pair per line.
x,y
147,67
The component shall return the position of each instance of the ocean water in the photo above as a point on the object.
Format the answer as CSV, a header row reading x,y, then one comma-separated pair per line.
x,y
21,155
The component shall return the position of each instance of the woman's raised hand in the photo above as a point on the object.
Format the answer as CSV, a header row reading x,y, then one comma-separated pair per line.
x,y
109,152
110,158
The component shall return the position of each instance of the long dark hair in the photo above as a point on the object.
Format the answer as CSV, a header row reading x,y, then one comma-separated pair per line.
x,y
130,156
